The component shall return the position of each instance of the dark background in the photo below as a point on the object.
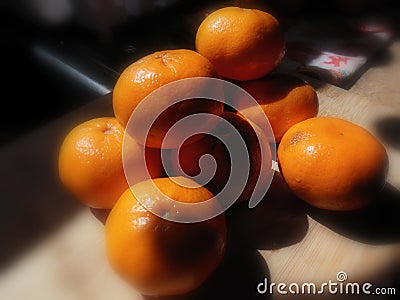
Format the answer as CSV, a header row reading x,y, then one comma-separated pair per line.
x,y
51,66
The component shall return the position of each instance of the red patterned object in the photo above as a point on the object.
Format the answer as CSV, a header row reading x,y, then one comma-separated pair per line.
x,y
334,51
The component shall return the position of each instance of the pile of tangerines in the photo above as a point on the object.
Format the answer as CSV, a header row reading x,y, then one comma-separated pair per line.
x,y
328,162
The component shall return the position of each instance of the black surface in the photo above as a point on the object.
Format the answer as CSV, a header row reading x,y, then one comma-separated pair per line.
x,y
36,91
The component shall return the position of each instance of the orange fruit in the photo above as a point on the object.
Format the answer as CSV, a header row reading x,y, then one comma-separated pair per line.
x,y
189,155
90,162
153,71
160,257
188,159
285,99
332,163
242,44
247,131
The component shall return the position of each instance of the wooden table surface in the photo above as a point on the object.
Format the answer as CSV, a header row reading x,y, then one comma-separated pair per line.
x,y
53,247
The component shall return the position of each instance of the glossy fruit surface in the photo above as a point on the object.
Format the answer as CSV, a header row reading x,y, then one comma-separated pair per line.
x,y
285,100
242,44
160,257
332,163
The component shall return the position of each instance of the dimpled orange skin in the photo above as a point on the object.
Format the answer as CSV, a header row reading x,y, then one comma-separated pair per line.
x,y
153,71
90,162
242,44
160,257
332,164
285,100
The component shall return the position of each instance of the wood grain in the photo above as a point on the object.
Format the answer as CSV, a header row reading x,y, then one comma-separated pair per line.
x,y
282,239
